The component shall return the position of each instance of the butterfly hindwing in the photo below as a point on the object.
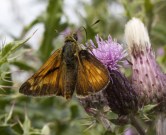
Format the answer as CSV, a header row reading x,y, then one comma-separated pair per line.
x,y
48,80
92,74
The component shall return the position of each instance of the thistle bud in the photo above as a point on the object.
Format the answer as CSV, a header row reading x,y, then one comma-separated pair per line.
x,y
148,79
121,97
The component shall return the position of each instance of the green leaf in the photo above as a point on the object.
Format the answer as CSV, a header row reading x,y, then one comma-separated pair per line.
x,y
5,78
37,20
10,48
52,22
9,116
22,65
5,52
148,108
26,125
45,130
7,130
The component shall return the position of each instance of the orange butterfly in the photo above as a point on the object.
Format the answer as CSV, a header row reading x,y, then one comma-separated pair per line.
x,y
67,69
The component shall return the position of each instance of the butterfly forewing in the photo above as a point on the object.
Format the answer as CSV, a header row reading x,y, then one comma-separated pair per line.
x,y
92,74
48,80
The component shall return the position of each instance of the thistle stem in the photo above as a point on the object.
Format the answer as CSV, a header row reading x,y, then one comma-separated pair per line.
x,y
136,123
160,125
105,122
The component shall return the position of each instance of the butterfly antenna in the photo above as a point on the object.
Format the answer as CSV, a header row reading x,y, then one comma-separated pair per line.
x,y
96,22
81,29
85,33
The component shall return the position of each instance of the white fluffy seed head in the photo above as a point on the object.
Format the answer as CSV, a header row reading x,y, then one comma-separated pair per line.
x,y
136,35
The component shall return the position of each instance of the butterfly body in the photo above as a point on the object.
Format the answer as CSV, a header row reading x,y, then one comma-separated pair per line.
x,y
70,64
68,69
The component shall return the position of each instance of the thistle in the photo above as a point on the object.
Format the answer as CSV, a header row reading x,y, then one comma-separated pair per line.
x,y
108,52
118,95
147,78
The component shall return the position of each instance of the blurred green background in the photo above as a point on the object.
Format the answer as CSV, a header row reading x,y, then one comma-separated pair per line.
x,y
22,115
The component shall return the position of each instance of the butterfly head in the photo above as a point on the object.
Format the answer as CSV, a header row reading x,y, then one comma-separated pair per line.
x,y
71,37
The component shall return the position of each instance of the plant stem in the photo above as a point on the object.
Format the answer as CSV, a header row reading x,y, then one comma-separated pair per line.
x,y
137,125
105,122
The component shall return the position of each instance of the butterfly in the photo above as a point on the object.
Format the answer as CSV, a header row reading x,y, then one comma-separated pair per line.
x,y
68,69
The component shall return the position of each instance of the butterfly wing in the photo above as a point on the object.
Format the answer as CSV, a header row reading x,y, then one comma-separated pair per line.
x,y
92,74
49,78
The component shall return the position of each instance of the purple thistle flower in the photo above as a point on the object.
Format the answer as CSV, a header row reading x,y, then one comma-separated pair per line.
x,y
108,52
148,79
